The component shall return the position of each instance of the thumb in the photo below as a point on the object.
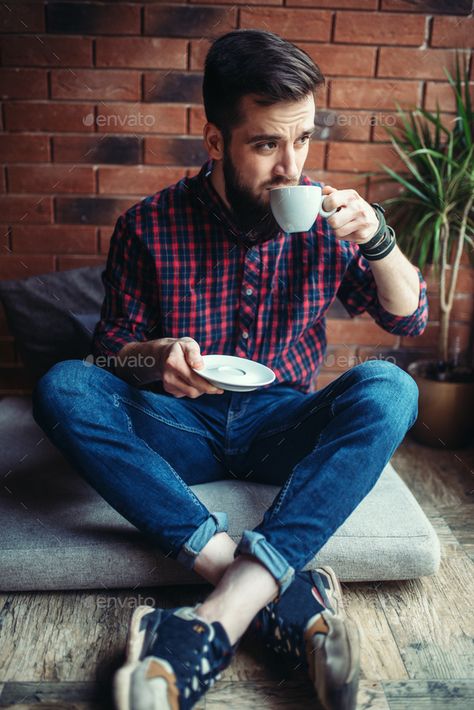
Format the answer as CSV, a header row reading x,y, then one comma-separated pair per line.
x,y
328,190
192,353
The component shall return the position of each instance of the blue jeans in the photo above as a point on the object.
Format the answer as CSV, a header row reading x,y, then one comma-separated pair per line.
x,y
141,450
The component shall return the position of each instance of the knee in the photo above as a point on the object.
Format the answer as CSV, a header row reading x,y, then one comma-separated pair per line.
x,y
391,390
65,382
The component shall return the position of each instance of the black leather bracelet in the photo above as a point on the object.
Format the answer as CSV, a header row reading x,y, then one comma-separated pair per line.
x,y
383,241
385,246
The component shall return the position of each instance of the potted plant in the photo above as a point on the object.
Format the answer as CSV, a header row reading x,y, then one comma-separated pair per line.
x,y
434,216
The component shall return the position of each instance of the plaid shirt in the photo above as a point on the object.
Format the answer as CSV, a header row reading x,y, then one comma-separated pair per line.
x,y
175,269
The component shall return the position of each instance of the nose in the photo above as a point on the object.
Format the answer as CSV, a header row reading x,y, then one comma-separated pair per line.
x,y
286,165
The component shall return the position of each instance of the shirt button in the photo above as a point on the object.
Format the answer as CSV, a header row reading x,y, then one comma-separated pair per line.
x,y
245,335
249,291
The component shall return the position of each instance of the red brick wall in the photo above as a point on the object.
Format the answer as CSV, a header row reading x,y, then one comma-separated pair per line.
x,y
101,106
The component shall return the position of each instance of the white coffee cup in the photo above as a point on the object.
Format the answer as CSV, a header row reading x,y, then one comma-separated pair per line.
x,y
295,208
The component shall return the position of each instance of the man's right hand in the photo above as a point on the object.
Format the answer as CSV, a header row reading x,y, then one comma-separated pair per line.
x,y
176,357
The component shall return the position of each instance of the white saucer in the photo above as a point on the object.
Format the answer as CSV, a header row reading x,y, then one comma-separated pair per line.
x,y
236,374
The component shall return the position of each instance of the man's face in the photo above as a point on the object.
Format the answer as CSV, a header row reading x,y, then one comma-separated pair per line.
x,y
268,149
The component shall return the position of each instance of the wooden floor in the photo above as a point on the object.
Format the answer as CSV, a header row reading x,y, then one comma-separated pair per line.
x,y
60,650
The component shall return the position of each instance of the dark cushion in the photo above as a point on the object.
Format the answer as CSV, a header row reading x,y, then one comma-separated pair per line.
x,y
50,315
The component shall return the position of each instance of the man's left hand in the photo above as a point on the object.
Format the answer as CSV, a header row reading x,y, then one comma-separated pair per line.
x,y
355,221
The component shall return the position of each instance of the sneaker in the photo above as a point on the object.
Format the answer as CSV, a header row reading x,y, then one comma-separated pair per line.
x,y
307,625
173,658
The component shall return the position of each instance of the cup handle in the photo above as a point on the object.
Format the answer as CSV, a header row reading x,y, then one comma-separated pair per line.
x,y
325,214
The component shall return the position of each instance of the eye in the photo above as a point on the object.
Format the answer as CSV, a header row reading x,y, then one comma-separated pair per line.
x,y
266,146
305,139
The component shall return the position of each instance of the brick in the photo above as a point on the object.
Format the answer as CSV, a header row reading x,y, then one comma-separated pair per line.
x,y
50,179
316,155
429,338
464,284
415,63
373,94
21,266
173,87
463,308
342,60
47,51
356,4
29,209
175,151
2,179
197,120
30,116
380,190
314,25
54,239
141,118
347,125
358,331
362,157
339,359
452,32
95,84
21,17
187,21
392,121
119,150
105,236
76,262
339,180
236,2
89,18
90,210
23,84
375,28
24,148
462,7
145,52
137,180
198,50
442,94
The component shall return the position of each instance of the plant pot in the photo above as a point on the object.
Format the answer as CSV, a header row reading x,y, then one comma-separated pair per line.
x,y
445,410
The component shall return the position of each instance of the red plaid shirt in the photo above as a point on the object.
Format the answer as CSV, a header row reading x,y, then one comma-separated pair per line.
x,y
174,269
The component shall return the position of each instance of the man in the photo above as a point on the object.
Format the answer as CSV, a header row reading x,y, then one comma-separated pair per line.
x,y
202,267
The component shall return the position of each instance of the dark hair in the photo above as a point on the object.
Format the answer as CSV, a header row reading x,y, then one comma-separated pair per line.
x,y
254,62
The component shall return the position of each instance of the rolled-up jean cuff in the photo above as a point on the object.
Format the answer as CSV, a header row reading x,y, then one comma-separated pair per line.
x,y
216,523
254,543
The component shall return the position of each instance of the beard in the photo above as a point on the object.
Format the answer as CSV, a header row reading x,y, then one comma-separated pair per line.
x,y
252,216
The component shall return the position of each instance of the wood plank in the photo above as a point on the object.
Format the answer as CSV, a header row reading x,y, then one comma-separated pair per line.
x,y
380,655
438,476
432,620
430,694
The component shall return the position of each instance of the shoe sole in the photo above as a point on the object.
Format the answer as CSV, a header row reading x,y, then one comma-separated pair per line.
x,y
335,593
123,677
335,692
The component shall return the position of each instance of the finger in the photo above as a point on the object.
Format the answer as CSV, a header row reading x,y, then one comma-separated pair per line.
x,y
192,352
351,228
342,217
196,391
339,198
327,190
190,380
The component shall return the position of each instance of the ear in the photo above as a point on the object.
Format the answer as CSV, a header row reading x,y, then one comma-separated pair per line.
x,y
213,141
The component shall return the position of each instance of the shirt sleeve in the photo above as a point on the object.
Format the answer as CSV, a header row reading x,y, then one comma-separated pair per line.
x,y
358,293
129,304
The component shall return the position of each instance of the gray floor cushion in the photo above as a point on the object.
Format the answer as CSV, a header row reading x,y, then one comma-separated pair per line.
x,y
57,533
